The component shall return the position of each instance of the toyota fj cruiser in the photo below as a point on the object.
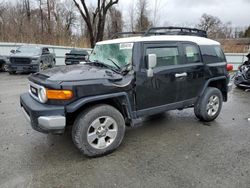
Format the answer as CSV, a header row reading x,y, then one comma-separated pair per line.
x,y
124,80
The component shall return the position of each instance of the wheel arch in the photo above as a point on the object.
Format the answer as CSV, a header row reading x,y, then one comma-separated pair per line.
x,y
120,101
219,83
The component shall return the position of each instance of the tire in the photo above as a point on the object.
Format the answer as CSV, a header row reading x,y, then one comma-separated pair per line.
x,y
40,67
95,142
12,72
52,64
5,67
209,105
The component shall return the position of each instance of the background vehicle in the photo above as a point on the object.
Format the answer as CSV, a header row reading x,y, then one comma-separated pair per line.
x,y
75,56
3,65
30,58
242,77
124,80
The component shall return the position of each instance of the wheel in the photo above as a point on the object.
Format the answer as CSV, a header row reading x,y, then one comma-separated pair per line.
x,y
98,130
208,107
4,67
41,67
53,64
12,72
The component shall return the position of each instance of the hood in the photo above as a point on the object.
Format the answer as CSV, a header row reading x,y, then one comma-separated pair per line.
x,y
79,73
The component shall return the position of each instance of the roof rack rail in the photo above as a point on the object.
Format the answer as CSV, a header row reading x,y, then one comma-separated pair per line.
x,y
175,31
116,35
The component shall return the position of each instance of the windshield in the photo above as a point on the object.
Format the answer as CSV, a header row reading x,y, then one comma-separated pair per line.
x,y
120,54
29,49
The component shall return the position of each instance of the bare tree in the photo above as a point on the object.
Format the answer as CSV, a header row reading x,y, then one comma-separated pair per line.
x,y
142,22
215,27
26,4
209,23
41,15
95,21
132,16
247,33
158,6
114,22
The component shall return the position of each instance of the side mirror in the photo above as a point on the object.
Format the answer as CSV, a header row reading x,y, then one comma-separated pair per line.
x,y
151,63
13,51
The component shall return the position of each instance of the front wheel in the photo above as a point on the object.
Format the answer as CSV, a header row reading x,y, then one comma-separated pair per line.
x,y
12,72
208,107
41,67
5,67
98,130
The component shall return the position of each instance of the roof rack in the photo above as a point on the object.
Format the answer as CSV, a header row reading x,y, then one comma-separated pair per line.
x,y
116,35
175,31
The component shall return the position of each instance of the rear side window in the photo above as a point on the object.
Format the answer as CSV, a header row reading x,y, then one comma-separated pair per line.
x,y
212,54
192,53
165,55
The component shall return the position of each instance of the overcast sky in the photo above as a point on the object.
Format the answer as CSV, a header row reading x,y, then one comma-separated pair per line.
x,y
188,12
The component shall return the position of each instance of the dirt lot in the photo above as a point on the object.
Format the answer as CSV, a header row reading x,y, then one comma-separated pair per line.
x,y
171,150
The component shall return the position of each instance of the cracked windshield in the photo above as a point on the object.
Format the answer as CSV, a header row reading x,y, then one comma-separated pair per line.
x,y
111,54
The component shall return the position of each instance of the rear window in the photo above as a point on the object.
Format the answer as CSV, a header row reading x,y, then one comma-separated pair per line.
x,y
212,54
79,52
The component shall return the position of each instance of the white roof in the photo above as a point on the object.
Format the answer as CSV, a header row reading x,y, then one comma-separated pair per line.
x,y
195,39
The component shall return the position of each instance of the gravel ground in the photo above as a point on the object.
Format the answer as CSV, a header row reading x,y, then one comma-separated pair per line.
x,y
169,150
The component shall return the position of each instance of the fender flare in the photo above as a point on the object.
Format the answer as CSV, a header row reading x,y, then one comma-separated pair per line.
x,y
73,107
211,80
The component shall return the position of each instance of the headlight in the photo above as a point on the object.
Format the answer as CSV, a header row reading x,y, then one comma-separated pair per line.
x,y
42,95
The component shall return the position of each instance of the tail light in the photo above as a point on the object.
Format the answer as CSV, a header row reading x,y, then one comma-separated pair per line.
x,y
230,67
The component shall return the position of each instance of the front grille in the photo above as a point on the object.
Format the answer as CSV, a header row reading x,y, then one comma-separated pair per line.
x,y
20,60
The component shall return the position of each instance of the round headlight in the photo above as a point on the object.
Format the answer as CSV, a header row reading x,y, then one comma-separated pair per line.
x,y
42,95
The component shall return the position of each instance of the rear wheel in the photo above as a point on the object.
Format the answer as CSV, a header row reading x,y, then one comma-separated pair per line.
x,y
12,72
98,130
41,67
209,105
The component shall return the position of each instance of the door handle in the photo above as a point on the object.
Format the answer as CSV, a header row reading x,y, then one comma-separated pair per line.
x,y
184,74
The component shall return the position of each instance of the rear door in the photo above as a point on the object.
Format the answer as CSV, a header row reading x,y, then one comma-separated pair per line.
x,y
161,89
192,77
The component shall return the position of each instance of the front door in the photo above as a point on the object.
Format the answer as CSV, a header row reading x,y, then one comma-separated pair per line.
x,y
155,92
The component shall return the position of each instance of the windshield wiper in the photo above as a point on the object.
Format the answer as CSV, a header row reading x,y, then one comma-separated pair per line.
x,y
104,65
114,63
124,69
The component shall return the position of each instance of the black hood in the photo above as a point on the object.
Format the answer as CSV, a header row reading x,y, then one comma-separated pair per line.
x,y
79,72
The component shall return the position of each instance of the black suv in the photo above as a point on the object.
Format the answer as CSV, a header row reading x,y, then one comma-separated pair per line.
x,y
124,80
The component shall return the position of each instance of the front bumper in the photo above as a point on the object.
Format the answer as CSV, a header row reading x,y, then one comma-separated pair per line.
x,y
43,118
23,68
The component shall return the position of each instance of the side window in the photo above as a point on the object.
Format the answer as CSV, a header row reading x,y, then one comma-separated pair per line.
x,y
212,54
192,53
165,55
45,50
